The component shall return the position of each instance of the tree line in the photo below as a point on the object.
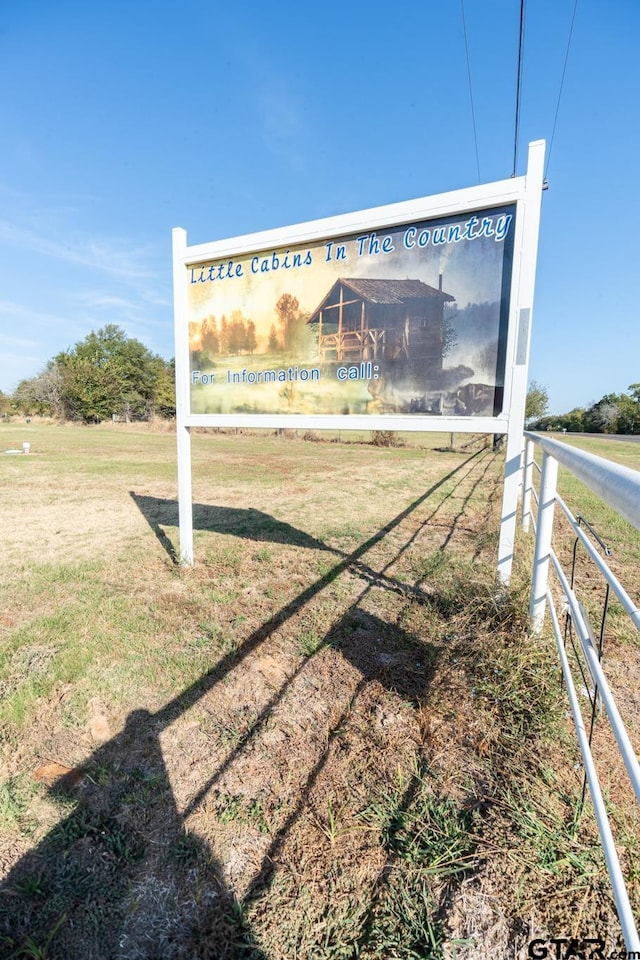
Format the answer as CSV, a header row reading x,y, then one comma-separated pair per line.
x,y
235,335
229,337
613,413
110,374
107,374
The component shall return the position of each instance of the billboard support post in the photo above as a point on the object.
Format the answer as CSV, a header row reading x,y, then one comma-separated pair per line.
x,y
183,431
524,272
414,316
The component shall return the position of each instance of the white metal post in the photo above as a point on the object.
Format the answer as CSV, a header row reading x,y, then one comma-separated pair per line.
x,y
511,486
185,496
185,499
542,551
527,485
620,895
524,268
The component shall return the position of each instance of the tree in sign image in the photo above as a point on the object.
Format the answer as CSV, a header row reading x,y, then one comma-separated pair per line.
x,y
292,322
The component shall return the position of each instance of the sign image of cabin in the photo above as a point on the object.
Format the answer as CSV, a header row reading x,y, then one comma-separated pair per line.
x,y
398,322
330,328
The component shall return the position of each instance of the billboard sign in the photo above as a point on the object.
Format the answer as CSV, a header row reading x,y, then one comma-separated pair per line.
x,y
398,315
411,316
411,319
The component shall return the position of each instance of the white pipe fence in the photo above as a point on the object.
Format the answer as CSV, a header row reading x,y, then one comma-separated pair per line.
x,y
619,487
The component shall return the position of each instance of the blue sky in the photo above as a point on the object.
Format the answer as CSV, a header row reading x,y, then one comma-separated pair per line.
x,y
122,120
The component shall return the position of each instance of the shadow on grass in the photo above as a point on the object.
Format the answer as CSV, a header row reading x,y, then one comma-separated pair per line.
x,y
247,523
119,876
381,652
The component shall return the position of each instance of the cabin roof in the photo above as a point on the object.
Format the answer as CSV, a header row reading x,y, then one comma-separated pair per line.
x,y
382,292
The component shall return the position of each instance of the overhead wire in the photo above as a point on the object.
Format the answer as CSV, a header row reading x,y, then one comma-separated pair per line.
x,y
519,86
520,71
564,70
473,113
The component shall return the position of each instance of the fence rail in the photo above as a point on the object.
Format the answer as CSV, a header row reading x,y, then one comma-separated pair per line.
x,y
619,487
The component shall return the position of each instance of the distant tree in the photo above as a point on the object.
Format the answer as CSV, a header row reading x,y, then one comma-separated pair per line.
x,y
613,413
608,415
92,391
251,339
273,344
165,399
605,416
209,336
634,390
237,333
449,333
536,403
109,373
292,322
26,400
42,394
224,335
628,415
449,336
572,422
50,388
632,410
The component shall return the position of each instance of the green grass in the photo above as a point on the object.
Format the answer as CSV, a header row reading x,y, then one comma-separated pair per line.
x,y
620,451
428,841
16,796
309,643
429,832
620,536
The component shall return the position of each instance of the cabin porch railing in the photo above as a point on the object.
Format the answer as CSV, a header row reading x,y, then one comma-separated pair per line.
x,y
619,487
356,344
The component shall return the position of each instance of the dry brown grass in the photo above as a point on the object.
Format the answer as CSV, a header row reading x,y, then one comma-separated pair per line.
x,y
330,738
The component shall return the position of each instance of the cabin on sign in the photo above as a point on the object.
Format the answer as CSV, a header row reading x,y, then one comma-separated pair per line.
x,y
397,321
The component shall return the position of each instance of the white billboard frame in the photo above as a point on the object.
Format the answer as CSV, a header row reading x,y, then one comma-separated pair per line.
x,y
523,192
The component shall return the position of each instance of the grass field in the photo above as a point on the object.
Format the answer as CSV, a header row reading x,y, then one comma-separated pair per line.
x,y
329,738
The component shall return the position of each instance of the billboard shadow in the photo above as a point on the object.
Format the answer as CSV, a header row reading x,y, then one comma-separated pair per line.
x,y
251,524
120,875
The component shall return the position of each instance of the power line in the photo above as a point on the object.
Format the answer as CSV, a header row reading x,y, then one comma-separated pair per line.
x,y
564,70
519,86
473,114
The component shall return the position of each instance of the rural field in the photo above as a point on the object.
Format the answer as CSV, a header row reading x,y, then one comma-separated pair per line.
x,y
330,738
